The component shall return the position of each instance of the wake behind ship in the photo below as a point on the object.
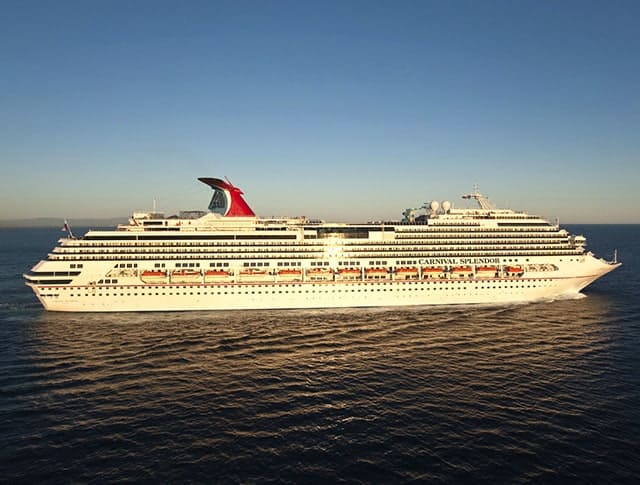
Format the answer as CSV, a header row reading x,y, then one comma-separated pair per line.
x,y
228,258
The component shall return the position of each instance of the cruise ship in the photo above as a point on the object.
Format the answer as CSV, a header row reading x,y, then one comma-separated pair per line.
x,y
229,258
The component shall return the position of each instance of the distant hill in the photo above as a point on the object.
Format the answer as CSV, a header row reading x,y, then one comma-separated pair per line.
x,y
59,221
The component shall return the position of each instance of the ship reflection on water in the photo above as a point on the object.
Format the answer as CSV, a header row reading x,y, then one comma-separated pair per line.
x,y
392,394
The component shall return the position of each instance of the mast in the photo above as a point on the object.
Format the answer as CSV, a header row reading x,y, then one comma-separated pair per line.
x,y
482,201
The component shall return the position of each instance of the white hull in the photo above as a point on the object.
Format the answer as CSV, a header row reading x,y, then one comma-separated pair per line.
x,y
333,294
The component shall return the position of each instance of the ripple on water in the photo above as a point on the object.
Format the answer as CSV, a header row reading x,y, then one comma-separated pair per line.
x,y
517,393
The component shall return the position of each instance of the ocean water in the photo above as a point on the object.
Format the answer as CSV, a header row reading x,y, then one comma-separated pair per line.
x,y
546,392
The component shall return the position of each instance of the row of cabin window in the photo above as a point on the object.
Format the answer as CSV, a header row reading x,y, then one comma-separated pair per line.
x,y
247,292
406,283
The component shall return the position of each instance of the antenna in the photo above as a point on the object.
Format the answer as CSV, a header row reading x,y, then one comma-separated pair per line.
x,y
66,227
482,201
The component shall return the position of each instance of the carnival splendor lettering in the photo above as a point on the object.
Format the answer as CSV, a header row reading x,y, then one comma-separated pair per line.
x,y
457,261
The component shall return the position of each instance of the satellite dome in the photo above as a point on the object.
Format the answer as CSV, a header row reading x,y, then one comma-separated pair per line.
x,y
434,205
446,205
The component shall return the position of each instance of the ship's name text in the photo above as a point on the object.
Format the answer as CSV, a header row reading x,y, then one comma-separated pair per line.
x,y
459,261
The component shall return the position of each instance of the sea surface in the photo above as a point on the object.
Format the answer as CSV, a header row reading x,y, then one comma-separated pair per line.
x,y
546,392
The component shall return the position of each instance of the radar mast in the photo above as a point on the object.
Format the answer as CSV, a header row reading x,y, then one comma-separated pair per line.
x,y
482,201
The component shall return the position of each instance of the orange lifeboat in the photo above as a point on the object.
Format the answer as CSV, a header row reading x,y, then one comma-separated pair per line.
x,y
376,273
153,276
349,273
461,271
290,274
432,272
345,271
406,273
216,275
185,276
216,272
185,272
407,270
319,273
486,271
514,270
252,272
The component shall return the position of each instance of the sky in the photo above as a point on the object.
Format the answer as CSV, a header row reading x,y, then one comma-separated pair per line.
x,y
347,110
